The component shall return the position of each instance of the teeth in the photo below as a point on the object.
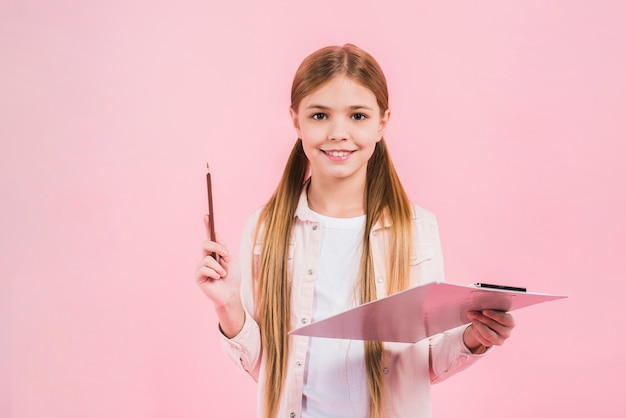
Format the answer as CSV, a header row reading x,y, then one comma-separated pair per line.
x,y
338,153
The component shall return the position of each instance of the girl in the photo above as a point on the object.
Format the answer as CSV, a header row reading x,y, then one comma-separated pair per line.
x,y
339,231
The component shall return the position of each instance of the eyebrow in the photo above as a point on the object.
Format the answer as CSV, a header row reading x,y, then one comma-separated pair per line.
x,y
355,107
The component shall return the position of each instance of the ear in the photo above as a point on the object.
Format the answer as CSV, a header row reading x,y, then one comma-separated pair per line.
x,y
383,124
295,121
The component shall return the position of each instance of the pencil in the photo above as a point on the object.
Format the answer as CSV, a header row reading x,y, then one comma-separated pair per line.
x,y
210,196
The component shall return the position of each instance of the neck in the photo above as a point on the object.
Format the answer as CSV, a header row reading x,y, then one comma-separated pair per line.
x,y
338,199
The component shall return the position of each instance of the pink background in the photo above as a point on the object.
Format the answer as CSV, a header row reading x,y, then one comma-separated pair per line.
x,y
508,121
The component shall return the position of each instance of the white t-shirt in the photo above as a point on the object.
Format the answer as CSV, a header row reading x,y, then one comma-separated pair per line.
x,y
335,383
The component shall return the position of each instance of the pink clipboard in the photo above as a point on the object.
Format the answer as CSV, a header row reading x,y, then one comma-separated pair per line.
x,y
417,313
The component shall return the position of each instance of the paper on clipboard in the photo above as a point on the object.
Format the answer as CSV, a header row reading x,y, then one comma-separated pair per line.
x,y
417,313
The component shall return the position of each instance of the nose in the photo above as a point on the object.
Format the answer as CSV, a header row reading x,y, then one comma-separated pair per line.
x,y
338,130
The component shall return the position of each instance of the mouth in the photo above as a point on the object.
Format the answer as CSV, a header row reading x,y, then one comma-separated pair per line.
x,y
337,153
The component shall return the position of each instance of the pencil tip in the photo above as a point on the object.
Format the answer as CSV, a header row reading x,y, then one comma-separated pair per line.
x,y
207,167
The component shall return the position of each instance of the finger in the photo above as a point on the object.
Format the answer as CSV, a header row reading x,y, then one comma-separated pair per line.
x,y
210,262
476,336
486,335
204,273
226,253
504,318
213,248
490,329
500,328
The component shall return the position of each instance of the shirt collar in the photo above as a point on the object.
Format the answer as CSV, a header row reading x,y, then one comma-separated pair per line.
x,y
303,212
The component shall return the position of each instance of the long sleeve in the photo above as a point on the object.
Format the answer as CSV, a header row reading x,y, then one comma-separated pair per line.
x,y
245,348
449,355
447,351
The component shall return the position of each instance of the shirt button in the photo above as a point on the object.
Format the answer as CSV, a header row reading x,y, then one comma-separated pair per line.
x,y
314,227
304,321
386,370
379,279
298,363
374,233
414,257
293,414
310,272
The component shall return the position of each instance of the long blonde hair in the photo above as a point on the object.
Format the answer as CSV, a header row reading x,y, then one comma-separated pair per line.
x,y
384,194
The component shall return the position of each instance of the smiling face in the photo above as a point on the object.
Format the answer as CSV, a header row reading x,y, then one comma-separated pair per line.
x,y
339,124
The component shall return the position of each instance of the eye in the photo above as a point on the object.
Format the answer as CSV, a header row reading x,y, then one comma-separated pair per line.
x,y
319,116
359,116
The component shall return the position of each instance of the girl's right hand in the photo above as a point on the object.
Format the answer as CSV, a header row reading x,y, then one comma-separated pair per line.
x,y
220,281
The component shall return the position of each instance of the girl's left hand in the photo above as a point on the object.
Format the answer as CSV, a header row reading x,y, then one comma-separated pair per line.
x,y
488,328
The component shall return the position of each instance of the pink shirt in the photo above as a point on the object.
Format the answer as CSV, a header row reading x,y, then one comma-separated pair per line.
x,y
409,369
